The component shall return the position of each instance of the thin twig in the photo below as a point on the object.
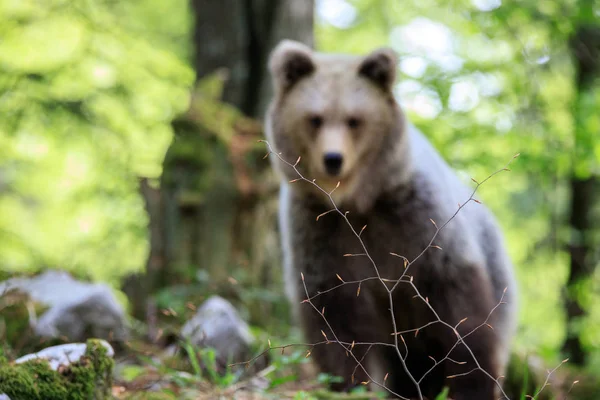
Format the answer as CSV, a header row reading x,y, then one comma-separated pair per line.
x,y
403,279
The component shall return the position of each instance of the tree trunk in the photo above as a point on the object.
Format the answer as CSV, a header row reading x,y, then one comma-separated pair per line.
x,y
219,229
136,286
239,35
585,47
582,263
240,40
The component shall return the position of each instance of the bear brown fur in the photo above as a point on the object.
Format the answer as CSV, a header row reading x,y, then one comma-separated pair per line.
x,y
338,113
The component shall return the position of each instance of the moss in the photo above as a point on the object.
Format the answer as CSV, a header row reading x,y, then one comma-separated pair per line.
x,y
32,380
103,367
47,382
17,383
90,378
3,358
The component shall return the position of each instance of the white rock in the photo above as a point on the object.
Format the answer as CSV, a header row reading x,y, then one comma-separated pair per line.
x,y
217,324
77,310
64,354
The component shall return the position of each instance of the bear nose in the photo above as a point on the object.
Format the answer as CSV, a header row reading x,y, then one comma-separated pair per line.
x,y
333,163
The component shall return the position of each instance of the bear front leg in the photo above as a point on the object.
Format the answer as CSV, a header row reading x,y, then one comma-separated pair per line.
x,y
470,300
348,319
467,381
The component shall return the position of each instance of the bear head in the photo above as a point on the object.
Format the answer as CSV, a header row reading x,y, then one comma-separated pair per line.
x,y
338,114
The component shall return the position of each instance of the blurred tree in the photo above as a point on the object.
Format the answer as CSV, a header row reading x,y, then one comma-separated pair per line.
x,y
212,214
585,47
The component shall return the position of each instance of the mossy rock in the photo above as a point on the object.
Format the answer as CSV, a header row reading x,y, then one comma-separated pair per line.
x,y
87,379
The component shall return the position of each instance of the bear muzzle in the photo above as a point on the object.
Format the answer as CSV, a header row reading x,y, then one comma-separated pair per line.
x,y
333,163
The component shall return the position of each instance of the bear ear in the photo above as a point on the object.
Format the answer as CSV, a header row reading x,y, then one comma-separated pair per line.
x,y
289,62
380,67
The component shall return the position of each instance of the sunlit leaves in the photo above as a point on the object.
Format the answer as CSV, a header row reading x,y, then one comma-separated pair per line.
x,y
87,103
43,45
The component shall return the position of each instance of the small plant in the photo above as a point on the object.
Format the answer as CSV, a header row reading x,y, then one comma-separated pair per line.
x,y
443,395
327,379
525,381
302,395
205,360
287,367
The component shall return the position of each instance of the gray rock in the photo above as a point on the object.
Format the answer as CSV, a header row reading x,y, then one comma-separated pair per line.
x,y
63,355
77,310
217,324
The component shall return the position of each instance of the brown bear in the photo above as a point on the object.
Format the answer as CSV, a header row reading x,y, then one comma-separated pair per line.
x,y
338,113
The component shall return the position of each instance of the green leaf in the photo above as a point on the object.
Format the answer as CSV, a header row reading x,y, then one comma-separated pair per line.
x,y
443,395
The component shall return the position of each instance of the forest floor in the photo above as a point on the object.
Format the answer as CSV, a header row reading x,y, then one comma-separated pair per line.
x,y
140,375
155,374
169,368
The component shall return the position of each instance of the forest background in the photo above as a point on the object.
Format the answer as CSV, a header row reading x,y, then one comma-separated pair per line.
x,y
129,153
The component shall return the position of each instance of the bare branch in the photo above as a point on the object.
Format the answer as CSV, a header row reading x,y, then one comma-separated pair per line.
x,y
406,279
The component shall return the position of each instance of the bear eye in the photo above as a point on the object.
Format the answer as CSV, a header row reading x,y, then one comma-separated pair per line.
x,y
316,121
353,122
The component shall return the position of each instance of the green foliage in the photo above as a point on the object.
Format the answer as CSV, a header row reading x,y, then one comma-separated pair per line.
x,y
17,311
199,366
357,393
191,353
302,395
443,395
160,395
208,357
3,358
87,109
286,366
130,372
327,379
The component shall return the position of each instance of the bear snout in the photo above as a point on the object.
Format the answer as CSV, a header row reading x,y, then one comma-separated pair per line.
x,y
333,163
